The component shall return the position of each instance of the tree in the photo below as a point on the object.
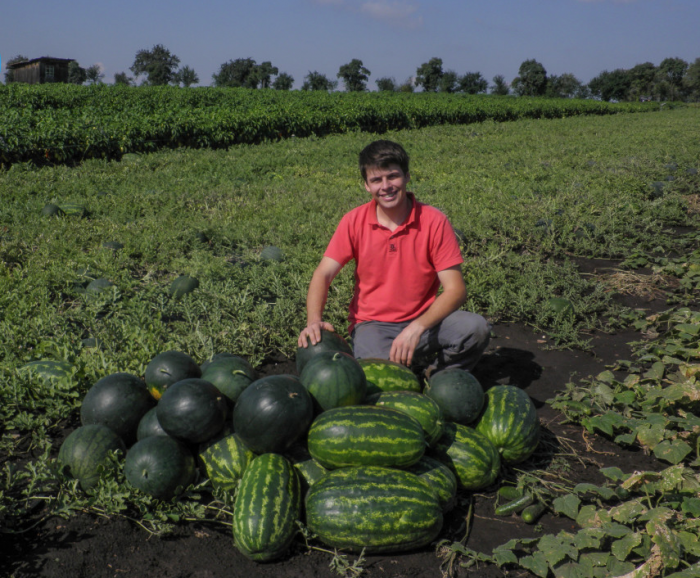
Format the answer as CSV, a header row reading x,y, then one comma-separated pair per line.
x,y
94,74
531,79
409,85
428,74
263,73
500,86
158,64
122,78
186,76
354,75
241,72
317,81
386,84
9,73
691,82
473,83
448,81
564,86
613,85
76,73
283,81
672,70
642,80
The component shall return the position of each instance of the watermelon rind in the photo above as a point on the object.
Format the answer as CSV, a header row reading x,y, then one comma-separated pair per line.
x,y
384,375
509,420
470,455
267,507
365,436
373,508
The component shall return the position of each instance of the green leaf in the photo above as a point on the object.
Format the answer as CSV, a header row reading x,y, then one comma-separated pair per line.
x,y
618,568
616,530
621,548
606,376
651,435
556,548
668,542
672,451
572,570
656,372
502,556
690,543
567,505
589,538
691,506
612,473
537,564
590,517
628,512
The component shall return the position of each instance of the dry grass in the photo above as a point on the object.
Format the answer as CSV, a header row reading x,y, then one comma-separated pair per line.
x,y
693,204
651,286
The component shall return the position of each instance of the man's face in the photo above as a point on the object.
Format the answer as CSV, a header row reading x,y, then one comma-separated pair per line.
x,y
387,186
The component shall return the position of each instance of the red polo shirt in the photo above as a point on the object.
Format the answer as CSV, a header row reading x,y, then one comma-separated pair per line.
x,y
395,272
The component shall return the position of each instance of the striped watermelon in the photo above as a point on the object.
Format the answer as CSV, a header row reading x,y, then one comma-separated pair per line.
x,y
309,470
48,369
378,509
384,375
365,436
267,507
470,455
418,406
225,461
85,450
74,209
509,420
439,477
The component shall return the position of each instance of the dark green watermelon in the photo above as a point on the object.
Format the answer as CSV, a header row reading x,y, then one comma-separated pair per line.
x,y
159,466
85,450
230,374
118,401
182,286
272,413
330,341
334,379
51,210
458,393
168,368
149,425
192,410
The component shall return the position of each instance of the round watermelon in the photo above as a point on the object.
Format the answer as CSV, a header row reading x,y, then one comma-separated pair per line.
x,y
458,393
149,425
168,368
330,341
509,420
272,413
230,375
225,460
182,286
159,466
118,401
192,410
85,450
334,379
384,375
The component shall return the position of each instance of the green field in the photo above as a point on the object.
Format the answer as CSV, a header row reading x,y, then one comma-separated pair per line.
x,y
529,197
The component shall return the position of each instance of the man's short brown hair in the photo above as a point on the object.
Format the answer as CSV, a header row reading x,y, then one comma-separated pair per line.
x,y
382,154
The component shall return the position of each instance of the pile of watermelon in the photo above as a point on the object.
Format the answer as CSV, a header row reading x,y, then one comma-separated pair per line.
x,y
356,449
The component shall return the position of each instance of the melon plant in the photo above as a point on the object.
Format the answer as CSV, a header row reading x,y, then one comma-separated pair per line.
x,y
267,506
192,410
230,374
365,436
159,466
118,401
85,450
168,368
334,379
384,375
509,420
373,508
458,393
330,341
272,413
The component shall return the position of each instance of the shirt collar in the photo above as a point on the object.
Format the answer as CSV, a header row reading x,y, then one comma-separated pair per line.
x,y
409,220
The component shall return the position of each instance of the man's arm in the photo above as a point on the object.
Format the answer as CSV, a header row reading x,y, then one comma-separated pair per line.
x,y
454,294
316,301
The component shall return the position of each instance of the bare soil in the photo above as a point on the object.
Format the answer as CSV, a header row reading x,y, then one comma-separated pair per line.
x,y
89,547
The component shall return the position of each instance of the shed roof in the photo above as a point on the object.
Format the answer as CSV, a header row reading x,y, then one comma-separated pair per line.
x,y
49,59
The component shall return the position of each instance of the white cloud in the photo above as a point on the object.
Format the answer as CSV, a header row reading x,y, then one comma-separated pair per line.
x,y
400,13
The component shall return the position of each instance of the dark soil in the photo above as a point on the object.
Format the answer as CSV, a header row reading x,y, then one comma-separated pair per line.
x,y
86,546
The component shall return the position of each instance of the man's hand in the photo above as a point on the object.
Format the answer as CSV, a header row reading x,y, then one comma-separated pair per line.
x,y
405,344
313,333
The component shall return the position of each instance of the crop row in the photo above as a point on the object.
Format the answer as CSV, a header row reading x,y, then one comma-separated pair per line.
x,y
65,123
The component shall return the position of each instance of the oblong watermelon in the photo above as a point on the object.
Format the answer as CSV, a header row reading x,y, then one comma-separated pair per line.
x,y
509,420
418,406
378,509
85,450
384,375
365,436
225,461
439,477
267,506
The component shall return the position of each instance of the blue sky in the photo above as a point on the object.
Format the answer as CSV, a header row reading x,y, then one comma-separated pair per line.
x,y
391,37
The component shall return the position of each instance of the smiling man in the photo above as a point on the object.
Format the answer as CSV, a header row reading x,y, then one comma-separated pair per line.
x,y
404,251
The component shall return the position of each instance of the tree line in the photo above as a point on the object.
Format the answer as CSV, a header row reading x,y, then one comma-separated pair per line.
x,y
672,79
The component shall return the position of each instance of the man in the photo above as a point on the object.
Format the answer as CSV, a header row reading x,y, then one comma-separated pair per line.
x,y
404,251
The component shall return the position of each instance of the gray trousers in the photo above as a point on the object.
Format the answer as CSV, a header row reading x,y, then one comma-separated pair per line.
x,y
458,341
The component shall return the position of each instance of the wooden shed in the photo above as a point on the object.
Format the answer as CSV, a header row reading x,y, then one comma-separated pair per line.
x,y
41,70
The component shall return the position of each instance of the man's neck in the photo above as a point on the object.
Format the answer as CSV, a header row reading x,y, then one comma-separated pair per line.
x,y
394,218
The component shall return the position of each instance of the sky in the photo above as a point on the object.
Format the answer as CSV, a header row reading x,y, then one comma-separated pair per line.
x,y
392,38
